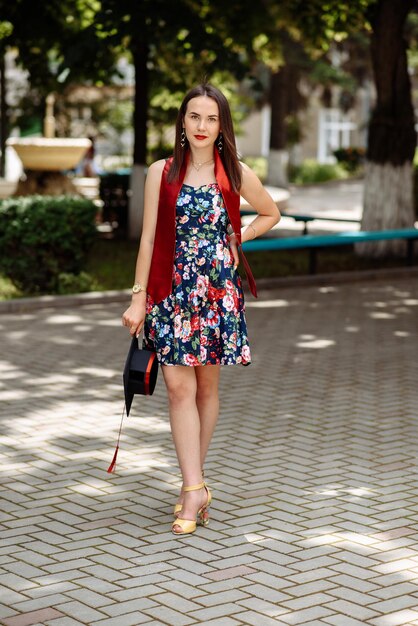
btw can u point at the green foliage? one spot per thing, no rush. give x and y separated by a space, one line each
76 283
164 106
42 237
112 263
313 172
6 29
259 166
7 289
320 22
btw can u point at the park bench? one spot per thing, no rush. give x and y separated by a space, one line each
315 242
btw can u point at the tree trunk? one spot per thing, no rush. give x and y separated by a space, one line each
3 117
388 185
278 156
136 200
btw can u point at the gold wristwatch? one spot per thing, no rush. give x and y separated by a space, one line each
137 288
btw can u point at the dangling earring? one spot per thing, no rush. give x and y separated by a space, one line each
183 138
220 144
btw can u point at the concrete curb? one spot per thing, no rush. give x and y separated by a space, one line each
25 305
333 278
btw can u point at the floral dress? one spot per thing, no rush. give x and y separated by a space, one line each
202 321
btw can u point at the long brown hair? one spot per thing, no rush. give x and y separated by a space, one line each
229 150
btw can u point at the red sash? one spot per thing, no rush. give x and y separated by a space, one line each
162 261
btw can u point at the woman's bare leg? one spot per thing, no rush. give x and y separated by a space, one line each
207 401
181 386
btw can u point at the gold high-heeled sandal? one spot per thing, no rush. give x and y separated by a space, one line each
178 505
177 508
189 526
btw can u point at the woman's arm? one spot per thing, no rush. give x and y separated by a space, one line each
134 316
255 194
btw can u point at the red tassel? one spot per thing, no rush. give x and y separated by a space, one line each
112 466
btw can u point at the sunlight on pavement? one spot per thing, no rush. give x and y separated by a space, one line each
265 304
64 319
379 315
315 343
97 372
313 470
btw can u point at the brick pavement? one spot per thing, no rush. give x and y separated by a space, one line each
313 468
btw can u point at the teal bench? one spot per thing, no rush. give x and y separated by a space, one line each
314 242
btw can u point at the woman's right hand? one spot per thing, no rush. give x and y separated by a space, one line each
134 316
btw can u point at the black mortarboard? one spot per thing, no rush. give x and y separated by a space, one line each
140 373
139 376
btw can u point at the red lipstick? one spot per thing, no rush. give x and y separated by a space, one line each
200 137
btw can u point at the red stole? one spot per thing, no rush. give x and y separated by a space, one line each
162 261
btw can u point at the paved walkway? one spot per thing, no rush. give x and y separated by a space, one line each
341 200
313 468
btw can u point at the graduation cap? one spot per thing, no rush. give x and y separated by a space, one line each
139 376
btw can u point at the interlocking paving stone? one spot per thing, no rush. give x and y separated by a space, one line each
313 470
396 618
262 606
128 619
80 611
33 617
255 619
167 615
38 603
222 621
62 621
352 609
124 608
231 595
342 620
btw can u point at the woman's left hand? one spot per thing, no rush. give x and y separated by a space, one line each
234 249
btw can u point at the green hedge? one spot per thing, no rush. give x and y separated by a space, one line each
310 171
43 238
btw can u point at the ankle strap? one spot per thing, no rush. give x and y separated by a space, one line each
194 487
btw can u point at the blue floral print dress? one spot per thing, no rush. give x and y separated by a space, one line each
202 321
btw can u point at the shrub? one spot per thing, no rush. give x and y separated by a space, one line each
42 237
259 166
350 158
76 283
313 172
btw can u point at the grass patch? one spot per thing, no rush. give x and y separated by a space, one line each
111 264
282 263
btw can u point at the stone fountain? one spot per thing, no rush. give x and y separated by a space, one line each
46 159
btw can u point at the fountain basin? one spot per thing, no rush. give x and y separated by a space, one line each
49 154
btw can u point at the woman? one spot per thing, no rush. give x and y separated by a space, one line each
187 295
